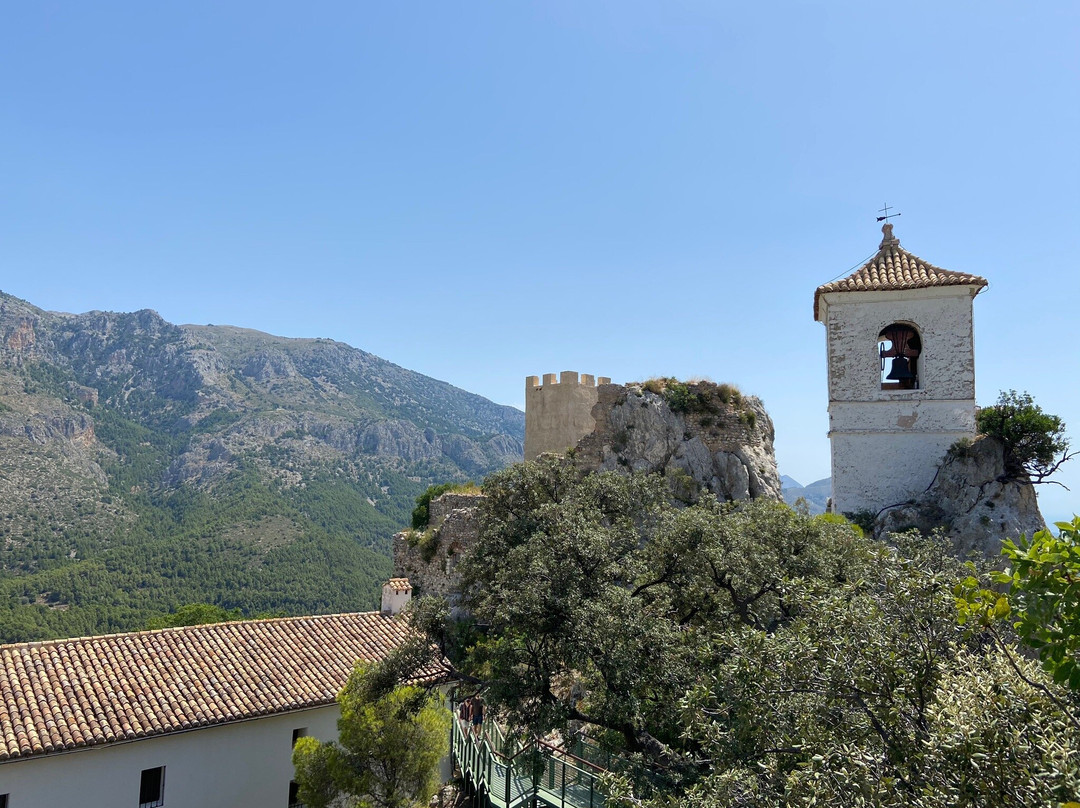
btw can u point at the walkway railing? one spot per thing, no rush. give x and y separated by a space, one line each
507 774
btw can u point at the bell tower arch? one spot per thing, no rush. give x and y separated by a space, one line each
901 371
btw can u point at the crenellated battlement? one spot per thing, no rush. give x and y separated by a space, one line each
558 410
566 377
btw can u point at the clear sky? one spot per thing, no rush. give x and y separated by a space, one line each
482 191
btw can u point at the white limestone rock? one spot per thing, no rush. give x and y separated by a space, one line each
972 500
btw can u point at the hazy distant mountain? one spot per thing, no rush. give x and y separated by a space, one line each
816 494
144 465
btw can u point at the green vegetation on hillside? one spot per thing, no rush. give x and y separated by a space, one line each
183 546
247 545
146 466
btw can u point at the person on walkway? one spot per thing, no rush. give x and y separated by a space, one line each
477 716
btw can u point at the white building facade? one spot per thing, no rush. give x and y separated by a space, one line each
189 717
901 372
243 763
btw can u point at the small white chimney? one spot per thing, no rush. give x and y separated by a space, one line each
396 595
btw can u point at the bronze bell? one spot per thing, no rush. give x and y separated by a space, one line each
901 370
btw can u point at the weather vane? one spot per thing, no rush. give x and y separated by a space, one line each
887 215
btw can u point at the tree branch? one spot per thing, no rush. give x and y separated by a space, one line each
1037 685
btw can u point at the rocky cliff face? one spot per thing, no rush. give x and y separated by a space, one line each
972 500
255 388
702 436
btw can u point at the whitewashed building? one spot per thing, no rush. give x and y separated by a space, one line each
190 717
901 369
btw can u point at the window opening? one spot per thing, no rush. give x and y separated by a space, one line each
294 795
4 800
152 788
297 734
900 345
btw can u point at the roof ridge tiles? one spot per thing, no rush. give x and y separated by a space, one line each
172 629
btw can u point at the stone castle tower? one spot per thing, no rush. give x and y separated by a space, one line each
901 370
559 413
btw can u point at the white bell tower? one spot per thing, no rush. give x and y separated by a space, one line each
901 367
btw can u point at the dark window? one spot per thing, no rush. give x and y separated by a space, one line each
899 347
294 795
297 734
3 801
152 788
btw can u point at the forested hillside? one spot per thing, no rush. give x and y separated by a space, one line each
145 465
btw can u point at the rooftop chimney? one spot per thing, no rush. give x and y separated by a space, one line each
396 595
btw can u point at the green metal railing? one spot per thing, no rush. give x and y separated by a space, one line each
507 774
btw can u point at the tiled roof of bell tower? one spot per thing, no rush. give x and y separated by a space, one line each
894 268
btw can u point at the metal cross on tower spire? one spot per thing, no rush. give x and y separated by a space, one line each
887 215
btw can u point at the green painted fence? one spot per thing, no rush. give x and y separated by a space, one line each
506 774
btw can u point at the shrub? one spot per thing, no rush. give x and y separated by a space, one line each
656 385
729 394
681 398
428 543
1032 438
863 519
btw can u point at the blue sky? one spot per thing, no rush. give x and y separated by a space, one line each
487 190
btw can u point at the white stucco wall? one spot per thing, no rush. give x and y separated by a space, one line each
886 444
242 765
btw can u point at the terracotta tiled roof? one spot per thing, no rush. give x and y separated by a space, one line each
400 584
894 268
65 694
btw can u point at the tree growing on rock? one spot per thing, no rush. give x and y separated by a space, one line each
1034 441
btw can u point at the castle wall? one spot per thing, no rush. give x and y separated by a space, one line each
559 413
454 519
887 444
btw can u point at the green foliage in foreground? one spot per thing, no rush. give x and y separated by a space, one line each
1041 598
748 655
390 742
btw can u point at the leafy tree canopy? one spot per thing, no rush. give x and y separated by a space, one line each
1041 598
1033 439
390 742
745 654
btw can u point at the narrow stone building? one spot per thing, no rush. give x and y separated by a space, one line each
901 372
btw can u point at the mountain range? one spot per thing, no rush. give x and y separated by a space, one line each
815 495
146 465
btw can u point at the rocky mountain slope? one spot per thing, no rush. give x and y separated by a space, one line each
815 495
145 464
